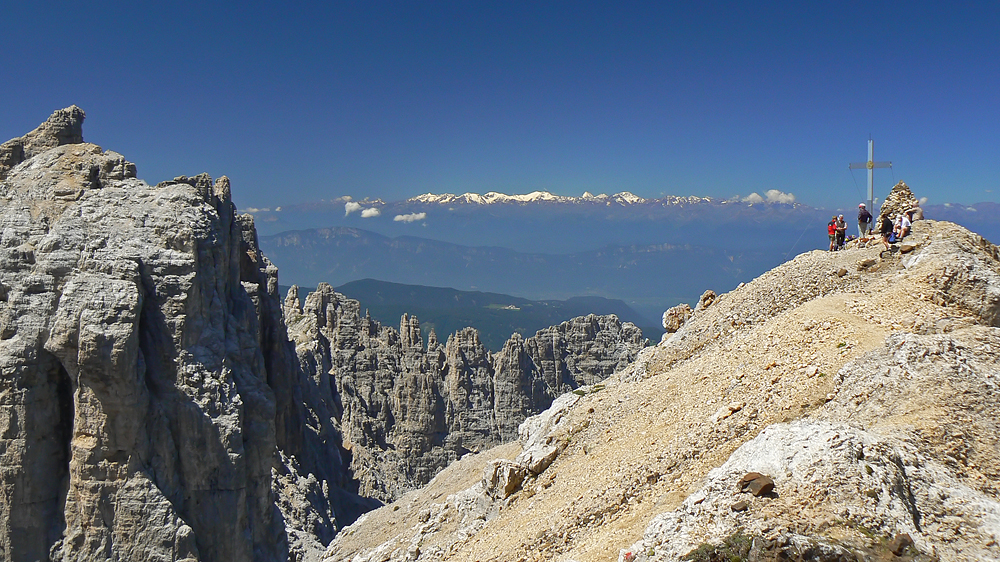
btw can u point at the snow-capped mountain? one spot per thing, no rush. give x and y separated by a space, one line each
490 198
494 198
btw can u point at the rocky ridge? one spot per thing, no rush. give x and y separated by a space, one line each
407 410
863 384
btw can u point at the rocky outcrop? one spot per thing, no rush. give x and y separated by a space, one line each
65 126
407 410
151 404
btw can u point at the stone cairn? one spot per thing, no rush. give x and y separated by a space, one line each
900 200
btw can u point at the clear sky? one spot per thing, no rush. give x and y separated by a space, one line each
298 101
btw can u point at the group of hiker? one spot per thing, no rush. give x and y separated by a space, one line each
889 230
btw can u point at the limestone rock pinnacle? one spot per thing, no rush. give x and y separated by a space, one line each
64 126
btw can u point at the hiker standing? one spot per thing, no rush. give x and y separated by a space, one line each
864 220
831 229
841 231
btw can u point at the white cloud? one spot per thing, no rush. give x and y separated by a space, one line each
923 200
368 213
350 207
256 210
753 198
412 217
277 209
776 196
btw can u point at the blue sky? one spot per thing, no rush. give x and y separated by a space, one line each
299 101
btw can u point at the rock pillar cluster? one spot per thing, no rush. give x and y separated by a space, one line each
409 409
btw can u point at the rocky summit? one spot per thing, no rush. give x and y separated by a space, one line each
843 406
154 407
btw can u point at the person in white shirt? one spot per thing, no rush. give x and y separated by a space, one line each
904 224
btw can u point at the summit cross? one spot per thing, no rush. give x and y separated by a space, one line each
870 165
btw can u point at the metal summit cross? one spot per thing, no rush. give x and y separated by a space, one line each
870 165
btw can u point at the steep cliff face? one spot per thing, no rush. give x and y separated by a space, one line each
148 389
409 410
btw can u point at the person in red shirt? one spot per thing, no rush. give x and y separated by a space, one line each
831 229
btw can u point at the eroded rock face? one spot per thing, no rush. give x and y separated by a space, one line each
409 410
148 389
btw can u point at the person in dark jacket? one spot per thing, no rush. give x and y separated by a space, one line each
864 220
885 229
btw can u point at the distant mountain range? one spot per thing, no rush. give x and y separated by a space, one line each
496 316
495 198
541 222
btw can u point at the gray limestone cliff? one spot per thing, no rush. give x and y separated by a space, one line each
408 410
151 404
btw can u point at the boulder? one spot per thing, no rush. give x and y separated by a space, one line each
675 317
502 477
707 299
756 483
